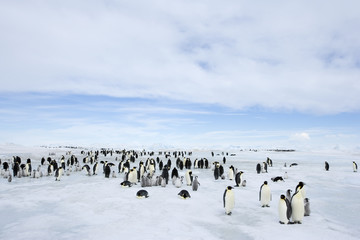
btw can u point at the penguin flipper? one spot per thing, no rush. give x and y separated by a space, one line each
224 198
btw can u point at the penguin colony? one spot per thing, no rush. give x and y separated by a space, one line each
159 172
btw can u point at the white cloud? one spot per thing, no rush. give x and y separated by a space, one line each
238 54
301 136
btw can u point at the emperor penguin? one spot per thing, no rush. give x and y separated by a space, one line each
126 184
243 183
354 166
188 177
179 181
132 175
297 207
229 200
265 166
9 178
288 194
238 178
326 166
95 168
87 169
184 194
142 194
284 210
265 195
231 172
195 184
258 168
306 207
58 173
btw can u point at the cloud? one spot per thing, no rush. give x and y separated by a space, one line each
301 136
280 56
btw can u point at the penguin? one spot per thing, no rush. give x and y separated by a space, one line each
293 164
243 183
113 175
107 170
284 210
238 178
178 182
258 168
132 175
87 169
184 194
195 184
142 194
58 173
297 207
286 175
163 182
277 179
326 166
9 178
265 167
354 166
231 172
95 168
216 172
229 200
188 177
265 195
306 207
288 194
126 184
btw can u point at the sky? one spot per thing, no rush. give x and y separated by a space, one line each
271 74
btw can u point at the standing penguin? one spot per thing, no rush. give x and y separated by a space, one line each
229 200
297 207
258 168
231 172
188 177
306 207
326 166
95 168
107 170
288 194
265 195
354 166
58 173
238 178
284 210
216 171
265 167
195 184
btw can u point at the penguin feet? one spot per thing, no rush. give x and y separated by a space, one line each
281 222
229 213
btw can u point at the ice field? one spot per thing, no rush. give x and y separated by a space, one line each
95 207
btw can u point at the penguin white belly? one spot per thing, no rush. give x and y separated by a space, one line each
229 202
231 174
151 169
297 206
188 179
265 196
282 209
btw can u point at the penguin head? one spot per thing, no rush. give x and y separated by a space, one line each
265 183
282 197
229 188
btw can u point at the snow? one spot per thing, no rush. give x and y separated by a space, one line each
93 207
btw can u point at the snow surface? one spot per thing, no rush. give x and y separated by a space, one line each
92 207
